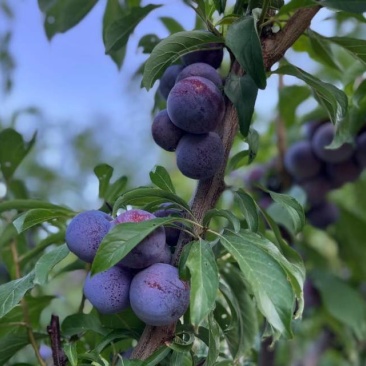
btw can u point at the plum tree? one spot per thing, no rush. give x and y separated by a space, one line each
86 231
322 137
199 156
158 296
203 70
164 132
323 214
195 105
212 57
172 232
167 80
300 160
150 249
108 291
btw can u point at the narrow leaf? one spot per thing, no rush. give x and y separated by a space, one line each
169 50
171 24
233 220
104 174
351 6
356 47
161 178
214 341
249 209
204 280
242 39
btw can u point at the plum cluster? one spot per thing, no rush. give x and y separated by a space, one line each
317 169
194 108
143 279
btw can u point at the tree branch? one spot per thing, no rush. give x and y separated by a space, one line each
209 191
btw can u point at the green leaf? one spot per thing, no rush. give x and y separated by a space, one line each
288 212
204 280
71 353
260 262
220 6
171 25
356 47
122 239
112 12
148 42
161 178
214 341
249 209
115 189
65 14
12 292
238 160
169 50
159 355
351 6
104 174
47 262
25 204
181 359
37 216
233 220
290 97
242 92
242 39
296 4
14 342
13 150
343 302
142 196
79 323
333 100
253 142
118 33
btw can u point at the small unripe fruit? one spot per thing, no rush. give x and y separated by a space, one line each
85 232
158 296
108 291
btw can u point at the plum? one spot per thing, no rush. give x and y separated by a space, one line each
203 70
158 296
301 162
108 291
167 80
316 188
195 105
344 172
164 132
172 233
86 231
212 56
323 137
150 249
323 215
200 156
360 153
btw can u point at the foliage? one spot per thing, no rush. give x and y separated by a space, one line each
257 275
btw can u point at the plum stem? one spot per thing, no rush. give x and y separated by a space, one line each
209 191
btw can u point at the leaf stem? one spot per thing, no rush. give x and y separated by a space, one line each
263 15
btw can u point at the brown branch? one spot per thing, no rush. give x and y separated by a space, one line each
53 330
209 191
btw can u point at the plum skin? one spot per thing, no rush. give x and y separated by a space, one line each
157 296
200 156
164 132
108 291
172 233
195 105
323 215
168 78
203 70
86 231
151 249
212 57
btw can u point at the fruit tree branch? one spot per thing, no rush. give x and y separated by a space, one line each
208 191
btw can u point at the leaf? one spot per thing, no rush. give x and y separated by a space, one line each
351 6
260 262
47 262
238 160
220 6
13 150
37 216
143 195
214 341
249 209
169 50
242 92
181 359
171 24
204 280
25 204
233 220
296 4
333 100
122 239
79 323
343 302
253 142
12 292
118 33
148 42
288 212
71 353
104 174
112 12
356 47
161 178
115 189
242 39
14 342
61 15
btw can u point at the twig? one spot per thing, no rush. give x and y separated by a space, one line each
53 330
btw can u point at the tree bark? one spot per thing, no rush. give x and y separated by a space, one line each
209 191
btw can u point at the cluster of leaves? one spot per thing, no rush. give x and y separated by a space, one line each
246 280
